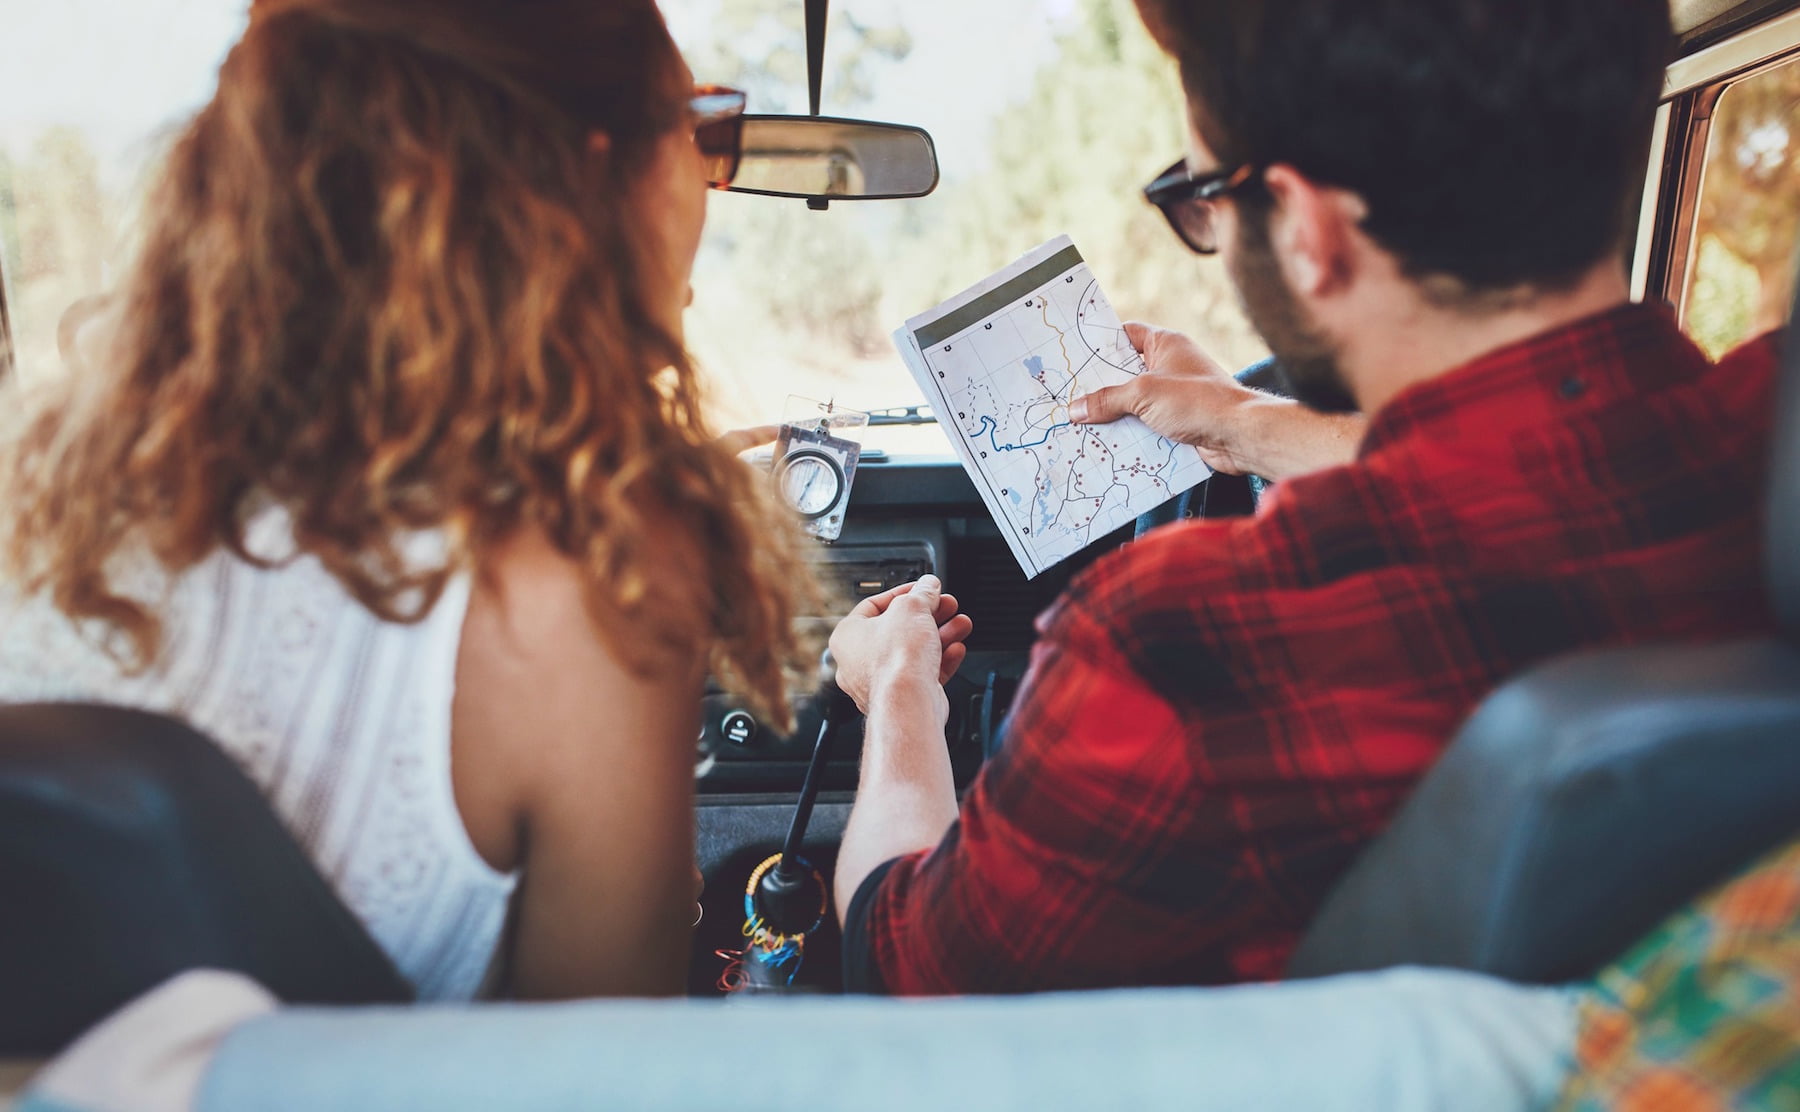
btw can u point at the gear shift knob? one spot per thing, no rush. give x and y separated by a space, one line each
788 899
835 704
788 895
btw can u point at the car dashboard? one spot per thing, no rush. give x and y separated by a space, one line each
908 517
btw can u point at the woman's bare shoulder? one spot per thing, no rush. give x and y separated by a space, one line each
542 697
575 766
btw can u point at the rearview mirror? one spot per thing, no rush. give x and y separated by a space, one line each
822 158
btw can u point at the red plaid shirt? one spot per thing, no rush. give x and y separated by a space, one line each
1219 716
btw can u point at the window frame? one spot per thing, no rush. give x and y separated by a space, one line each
6 332
1663 261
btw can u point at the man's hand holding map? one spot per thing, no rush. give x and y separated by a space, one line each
1000 363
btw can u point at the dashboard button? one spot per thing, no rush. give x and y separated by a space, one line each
738 727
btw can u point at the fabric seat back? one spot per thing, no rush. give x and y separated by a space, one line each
132 849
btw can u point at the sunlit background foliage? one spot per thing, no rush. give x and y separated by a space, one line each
1749 217
1049 117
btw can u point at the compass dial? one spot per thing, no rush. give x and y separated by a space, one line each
811 481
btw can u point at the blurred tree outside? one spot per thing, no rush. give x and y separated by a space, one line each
1101 120
10 263
760 47
9 266
61 231
1749 217
793 301
772 266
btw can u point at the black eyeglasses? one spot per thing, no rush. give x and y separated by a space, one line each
718 112
1187 202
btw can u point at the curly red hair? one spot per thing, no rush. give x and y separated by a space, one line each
387 286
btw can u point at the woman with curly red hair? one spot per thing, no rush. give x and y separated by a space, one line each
392 476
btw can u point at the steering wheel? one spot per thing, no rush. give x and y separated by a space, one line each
1221 495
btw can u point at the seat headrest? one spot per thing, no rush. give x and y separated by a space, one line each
132 848
1784 490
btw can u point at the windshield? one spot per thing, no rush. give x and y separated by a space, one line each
1049 115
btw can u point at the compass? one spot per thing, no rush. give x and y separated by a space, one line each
812 481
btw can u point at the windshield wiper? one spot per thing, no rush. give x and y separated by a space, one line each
902 415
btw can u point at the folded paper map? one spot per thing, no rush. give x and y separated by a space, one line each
1000 362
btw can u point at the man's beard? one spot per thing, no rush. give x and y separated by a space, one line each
1307 359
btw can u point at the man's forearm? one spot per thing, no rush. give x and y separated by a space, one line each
1278 438
907 796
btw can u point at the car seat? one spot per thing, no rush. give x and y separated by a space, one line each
1589 798
132 849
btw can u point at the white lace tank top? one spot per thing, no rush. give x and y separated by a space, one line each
342 719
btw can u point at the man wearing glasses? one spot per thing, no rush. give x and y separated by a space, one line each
1423 205
1191 398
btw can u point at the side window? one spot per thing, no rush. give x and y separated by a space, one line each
55 227
87 114
1741 266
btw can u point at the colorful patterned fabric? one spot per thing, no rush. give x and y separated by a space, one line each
1218 717
1704 1014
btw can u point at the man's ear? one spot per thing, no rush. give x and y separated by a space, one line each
1312 229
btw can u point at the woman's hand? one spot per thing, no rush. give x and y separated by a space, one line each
739 441
910 635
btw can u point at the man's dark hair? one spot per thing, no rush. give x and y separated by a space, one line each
1499 142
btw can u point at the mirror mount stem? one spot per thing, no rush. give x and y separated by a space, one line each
815 49
815 70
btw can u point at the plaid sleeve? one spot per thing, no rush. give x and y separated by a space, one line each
1218 717
1075 852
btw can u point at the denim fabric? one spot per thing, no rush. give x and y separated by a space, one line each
1403 1041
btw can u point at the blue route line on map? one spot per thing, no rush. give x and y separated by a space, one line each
989 427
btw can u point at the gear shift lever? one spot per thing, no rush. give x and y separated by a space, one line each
786 898
837 708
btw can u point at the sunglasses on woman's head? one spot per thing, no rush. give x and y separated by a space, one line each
718 113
